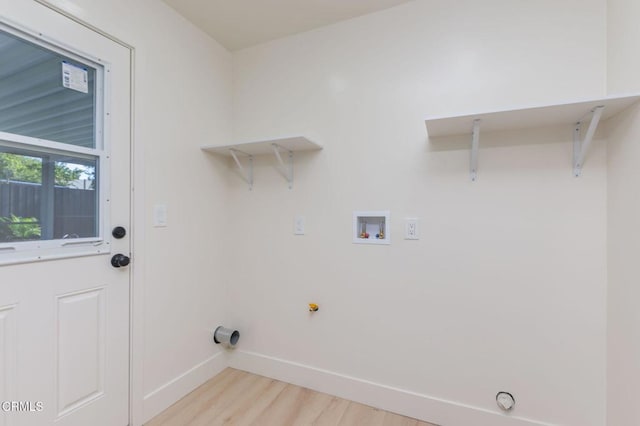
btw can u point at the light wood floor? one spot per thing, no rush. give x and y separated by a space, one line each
234 397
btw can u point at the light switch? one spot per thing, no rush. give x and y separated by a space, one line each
160 215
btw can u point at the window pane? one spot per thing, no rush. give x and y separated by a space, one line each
76 200
45 95
45 196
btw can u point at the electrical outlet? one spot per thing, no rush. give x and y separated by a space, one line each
298 225
411 229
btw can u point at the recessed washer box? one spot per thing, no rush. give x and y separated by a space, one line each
371 227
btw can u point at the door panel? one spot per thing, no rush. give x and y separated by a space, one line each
81 348
8 348
64 322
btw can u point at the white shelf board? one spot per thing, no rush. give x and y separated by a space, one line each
294 143
527 118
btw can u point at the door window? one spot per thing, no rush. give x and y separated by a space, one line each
52 148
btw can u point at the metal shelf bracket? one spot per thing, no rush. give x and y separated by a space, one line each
247 175
580 147
475 144
285 170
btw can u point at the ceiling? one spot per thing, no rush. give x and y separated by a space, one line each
237 24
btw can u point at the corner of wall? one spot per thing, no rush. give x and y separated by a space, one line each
163 397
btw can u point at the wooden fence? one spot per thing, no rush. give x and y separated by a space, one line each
74 211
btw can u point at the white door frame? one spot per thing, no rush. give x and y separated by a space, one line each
136 292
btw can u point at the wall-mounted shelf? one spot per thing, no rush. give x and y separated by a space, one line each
570 114
276 147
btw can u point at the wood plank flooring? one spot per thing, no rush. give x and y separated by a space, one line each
235 397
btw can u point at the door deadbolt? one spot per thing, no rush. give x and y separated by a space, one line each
118 232
120 260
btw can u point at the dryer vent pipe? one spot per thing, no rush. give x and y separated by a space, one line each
226 335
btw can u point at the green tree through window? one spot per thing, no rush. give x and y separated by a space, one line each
29 169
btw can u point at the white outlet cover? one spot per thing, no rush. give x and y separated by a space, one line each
411 229
299 225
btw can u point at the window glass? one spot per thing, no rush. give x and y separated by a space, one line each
46 95
47 196
50 144
75 200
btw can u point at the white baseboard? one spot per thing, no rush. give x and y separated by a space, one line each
166 395
407 403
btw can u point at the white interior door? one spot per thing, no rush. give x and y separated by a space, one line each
64 185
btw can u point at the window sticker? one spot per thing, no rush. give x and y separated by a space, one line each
75 77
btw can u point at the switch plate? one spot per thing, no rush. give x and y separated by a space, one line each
411 229
160 215
298 225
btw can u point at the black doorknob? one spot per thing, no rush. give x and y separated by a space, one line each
119 260
118 232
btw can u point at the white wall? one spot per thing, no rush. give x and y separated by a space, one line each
623 332
506 288
622 46
623 151
183 100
